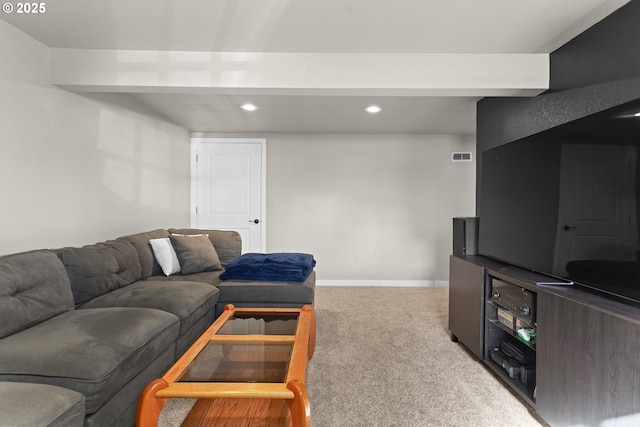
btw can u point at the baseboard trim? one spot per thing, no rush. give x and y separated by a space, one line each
391 283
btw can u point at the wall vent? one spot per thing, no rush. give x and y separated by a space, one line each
458 156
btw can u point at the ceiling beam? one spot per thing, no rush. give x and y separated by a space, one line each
300 73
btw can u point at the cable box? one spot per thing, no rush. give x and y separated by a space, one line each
507 363
523 354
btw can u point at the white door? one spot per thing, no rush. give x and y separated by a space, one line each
597 212
227 187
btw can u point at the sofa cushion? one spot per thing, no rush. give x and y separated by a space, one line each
253 294
33 288
210 277
195 253
95 352
140 241
227 243
187 300
97 269
28 405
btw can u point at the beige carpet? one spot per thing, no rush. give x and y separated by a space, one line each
384 358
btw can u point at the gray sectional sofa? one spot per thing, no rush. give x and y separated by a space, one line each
91 326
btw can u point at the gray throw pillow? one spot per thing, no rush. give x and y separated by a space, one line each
195 253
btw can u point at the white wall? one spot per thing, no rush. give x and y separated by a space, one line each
369 207
79 169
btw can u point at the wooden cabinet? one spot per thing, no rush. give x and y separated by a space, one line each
589 360
466 303
587 350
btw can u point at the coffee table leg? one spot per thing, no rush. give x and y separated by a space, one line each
149 406
312 330
299 406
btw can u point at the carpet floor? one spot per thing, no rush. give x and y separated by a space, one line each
384 358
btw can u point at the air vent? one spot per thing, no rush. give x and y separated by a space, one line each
461 156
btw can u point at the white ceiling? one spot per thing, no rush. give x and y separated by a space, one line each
315 26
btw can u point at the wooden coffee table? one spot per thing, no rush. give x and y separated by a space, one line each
247 369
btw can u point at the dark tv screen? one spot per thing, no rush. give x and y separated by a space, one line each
566 207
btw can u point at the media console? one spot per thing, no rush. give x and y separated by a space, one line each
570 353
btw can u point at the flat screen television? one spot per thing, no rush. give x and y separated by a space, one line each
565 203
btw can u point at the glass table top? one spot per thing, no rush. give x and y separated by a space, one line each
260 325
250 360
231 361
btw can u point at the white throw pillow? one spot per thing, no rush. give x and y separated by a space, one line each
165 255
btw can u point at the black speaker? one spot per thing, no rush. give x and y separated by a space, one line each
465 235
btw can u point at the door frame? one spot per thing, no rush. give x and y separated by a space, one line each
195 144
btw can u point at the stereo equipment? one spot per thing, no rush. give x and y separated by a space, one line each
506 318
465 236
515 365
509 364
517 300
523 354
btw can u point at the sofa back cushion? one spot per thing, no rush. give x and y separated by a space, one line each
195 253
140 241
97 269
34 287
227 243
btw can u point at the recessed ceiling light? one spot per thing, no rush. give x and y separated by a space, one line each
249 107
637 114
373 109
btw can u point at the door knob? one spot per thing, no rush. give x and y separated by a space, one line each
567 228
255 221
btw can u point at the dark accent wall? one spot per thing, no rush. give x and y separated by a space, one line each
597 70
610 50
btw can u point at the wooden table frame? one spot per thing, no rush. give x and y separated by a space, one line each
292 390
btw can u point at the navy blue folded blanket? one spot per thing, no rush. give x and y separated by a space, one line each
275 267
